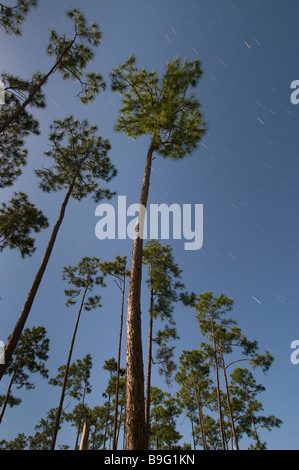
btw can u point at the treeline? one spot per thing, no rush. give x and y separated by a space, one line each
220 415
167 111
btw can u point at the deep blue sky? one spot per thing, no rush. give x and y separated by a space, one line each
244 173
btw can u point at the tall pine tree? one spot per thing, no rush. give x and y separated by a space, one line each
71 57
83 278
80 160
164 110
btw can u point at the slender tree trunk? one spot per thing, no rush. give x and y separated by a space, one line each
106 422
16 334
7 396
218 386
124 438
157 435
119 424
94 436
200 415
80 419
36 89
148 374
135 412
229 404
59 411
192 430
85 435
77 436
114 441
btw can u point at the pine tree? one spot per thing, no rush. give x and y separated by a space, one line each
18 219
110 394
29 357
210 309
193 376
97 421
164 435
225 338
211 433
80 388
12 17
118 270
162 110
19 443
77 418
83 277
71 57
244 386
12 142
164 286
41 440
80 160
229 338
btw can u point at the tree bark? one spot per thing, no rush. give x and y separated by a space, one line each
15 336
135 411
148 374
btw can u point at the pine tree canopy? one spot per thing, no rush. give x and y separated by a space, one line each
18 219
12 17
81 158
74 54
160 107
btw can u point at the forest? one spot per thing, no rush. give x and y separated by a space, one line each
213 388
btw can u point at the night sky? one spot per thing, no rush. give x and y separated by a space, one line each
244 172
